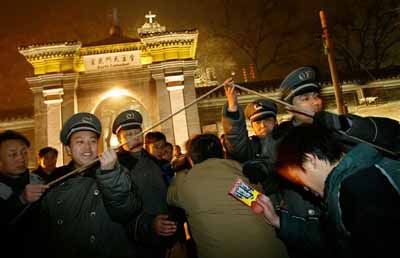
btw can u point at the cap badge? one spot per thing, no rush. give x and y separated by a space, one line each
130 115
258 106
87 119
305 75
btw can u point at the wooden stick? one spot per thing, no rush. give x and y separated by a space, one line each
332 64
290 106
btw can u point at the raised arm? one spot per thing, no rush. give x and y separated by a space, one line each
237 143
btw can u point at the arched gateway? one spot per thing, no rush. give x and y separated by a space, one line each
154 73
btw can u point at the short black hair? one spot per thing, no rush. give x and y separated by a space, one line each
308 139
13 135
45 150
203 147
152 137
168 144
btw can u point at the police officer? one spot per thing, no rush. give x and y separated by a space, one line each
262 116
151 228
85 215
301 88
239 146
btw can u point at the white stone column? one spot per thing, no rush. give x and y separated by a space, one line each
179 120
179 82
164 107
53 100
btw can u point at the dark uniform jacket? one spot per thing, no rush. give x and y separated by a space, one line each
85 216
16 218
362 196
300 213
153 192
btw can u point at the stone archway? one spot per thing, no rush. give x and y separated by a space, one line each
108 109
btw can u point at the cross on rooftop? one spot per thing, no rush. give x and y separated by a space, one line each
150 16
115 17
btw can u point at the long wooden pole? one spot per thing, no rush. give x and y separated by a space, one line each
332 64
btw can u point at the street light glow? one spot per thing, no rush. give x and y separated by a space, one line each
116 93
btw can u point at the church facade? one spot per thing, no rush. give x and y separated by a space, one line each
153 74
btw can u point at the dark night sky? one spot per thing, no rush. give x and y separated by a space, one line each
27 22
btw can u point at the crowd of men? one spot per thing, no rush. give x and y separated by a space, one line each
330 186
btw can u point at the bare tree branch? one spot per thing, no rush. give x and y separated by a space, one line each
261 30
370 35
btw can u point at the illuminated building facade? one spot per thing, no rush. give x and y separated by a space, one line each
153 74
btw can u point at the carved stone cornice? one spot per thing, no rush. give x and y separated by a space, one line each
50 50
17 123
38 83
170 38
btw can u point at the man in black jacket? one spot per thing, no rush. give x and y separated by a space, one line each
152 228
85 215
19 193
